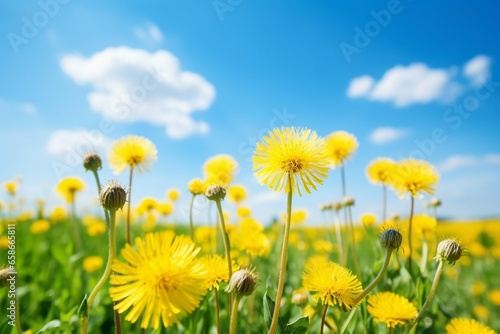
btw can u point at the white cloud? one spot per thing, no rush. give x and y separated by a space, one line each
458 161
150 32
15 106
266 197
384 135
360 86
76 143
492 159
131 85
478 69
418 83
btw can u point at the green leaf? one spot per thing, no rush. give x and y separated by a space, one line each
50 325
268 314
83 310
300 326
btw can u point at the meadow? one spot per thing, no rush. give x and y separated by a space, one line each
339 275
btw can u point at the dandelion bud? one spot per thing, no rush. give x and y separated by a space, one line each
215 193
391 238
242 282
435 202
6 275
300 297
113 196
449 250
349 201
92 161
336 206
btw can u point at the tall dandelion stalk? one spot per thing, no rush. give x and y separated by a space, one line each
289 160
412 176
196 187
112 198
379 172
131 152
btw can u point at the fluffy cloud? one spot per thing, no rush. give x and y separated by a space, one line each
76 143
385 135
461 161
418 83
150 32
478 69
131 85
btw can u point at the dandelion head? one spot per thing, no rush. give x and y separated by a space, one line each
113 196
391 309
220 170
243 282
381 170
341 145
237 193
291 154
92 162
467 326
134 152
412 176
217 270
68 187
92 263
197 186
449 250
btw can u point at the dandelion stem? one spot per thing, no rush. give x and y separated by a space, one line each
98 182
389 330
281 279
409 233
76 229
107 271
425 253
227 246
377 279
323 317
129 202
217 310
234 315
384 203
354 248
191 217
428 301
339 238
18 319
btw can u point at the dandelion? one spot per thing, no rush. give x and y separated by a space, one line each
243 211
164 208
368 219
11 187
161 280
40 226
425 225
146 205
467 326
57 215
494 297
196 187
380 171
391 309
95 228
289 160
134 152
242 283
412 176
331 283
300 297
481 312
68 187
92 263
219 170
341 146
237 193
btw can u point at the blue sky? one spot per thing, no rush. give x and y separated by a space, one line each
199 78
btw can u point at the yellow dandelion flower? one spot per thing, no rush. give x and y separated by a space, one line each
494 297
11 187
92 263
4 242
165 208
295 152
249 224
299 216
219 170
237 193
132 151
39 226
332 283
340 146
69 187
243 211
146 205
217 270
323 246
197 187
467 326
391 309
477 249
57 215
161 280
150 222
478 288
368 219
97 227
481 312
381 170
414 176
173 194
424 224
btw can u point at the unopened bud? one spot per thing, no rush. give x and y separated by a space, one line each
300 297
215 193
242 282
6 275
391 238
92 161
113 196
349 201
449 250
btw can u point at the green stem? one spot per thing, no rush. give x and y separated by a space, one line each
281 279
234 315
76 229
354 248
409 233
323 317
129 202
389 330
217 310
227 246
384 203
18 319
107 270
339 239
428 301
191 217
377 279
425 253
96 176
